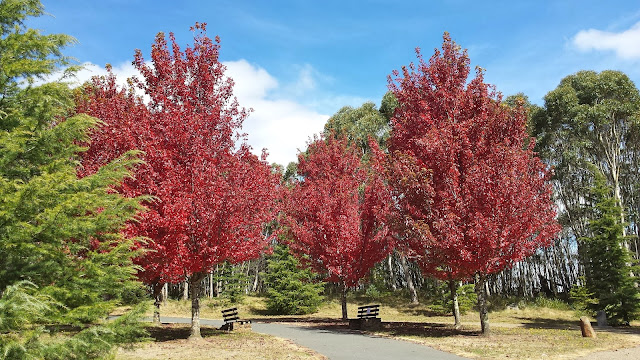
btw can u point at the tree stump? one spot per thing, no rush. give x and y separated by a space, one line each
585 326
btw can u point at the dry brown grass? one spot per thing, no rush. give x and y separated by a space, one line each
529 332
171 342
511 341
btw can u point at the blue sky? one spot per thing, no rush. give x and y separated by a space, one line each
297 62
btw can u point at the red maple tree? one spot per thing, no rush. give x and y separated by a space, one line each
475 198
211 196
336 211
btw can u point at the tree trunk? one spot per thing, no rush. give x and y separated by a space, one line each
210 285
343 300
218 288
392 274
409 279
165 293
195 282
482 303
453 287
185 290
157 295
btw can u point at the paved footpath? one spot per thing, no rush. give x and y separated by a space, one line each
341 345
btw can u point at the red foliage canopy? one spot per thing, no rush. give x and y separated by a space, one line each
336 213
212 198
474 197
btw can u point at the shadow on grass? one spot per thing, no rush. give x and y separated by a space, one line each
421 329
424 312
629 330
169 332
432 330
545 323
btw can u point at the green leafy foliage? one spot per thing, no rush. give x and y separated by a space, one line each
23 307
233 280
59 232
590 118
467 299
581 298
358 124
291 290
26 54
609 271
64 258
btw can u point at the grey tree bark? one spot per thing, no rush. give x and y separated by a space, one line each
482 303
343 300
195 284
409 279
157 295
453 288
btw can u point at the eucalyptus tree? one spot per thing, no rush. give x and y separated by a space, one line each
591 118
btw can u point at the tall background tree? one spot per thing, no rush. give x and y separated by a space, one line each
592 118
608 269
359 124
212 197
490 204
64 260
336 212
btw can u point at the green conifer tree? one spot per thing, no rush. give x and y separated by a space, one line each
59 234
609 272
290 288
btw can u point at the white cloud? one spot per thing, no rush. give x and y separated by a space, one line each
624 44
281 125
250 82
280 122
89 70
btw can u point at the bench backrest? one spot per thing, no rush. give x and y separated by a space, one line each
368 311
230 315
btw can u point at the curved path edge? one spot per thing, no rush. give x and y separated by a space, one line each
340 345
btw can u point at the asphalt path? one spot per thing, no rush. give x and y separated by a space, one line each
340 344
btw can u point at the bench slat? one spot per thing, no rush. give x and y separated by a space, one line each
368 311
231 316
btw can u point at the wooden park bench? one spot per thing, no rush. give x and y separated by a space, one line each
367 318
232 320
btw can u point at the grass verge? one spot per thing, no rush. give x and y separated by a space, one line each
510 342
171 342
526 331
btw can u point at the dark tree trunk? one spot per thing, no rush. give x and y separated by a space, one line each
453 287
195 283
481 291
343 300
